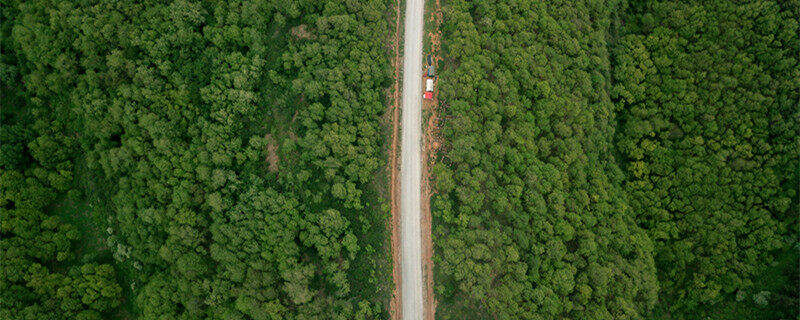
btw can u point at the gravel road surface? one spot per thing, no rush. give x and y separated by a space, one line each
410 165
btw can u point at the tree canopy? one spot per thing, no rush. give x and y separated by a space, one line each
169 108
531 221
708 98
607 160
603 159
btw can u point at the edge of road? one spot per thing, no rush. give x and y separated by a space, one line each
395 303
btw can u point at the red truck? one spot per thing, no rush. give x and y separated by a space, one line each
429 89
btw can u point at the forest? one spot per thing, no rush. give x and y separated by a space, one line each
618 160
601 159
709 131
193 159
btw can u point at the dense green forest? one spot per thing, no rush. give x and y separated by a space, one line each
602 159
193 159
531 219
614 160
709 102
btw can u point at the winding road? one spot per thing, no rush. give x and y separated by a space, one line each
410 165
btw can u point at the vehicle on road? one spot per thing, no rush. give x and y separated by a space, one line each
428 89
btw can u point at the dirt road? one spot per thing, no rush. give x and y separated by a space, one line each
410 165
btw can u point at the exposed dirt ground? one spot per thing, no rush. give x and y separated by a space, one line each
395 309
301 32
432 144
272 153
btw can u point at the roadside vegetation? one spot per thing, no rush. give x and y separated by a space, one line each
614 160
225 152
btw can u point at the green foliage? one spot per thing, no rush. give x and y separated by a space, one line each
536 221
32 241
168 104
163 114
532 222
708 97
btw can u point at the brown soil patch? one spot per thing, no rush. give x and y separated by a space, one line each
301 32
272 153
395 308
432 144
429 155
